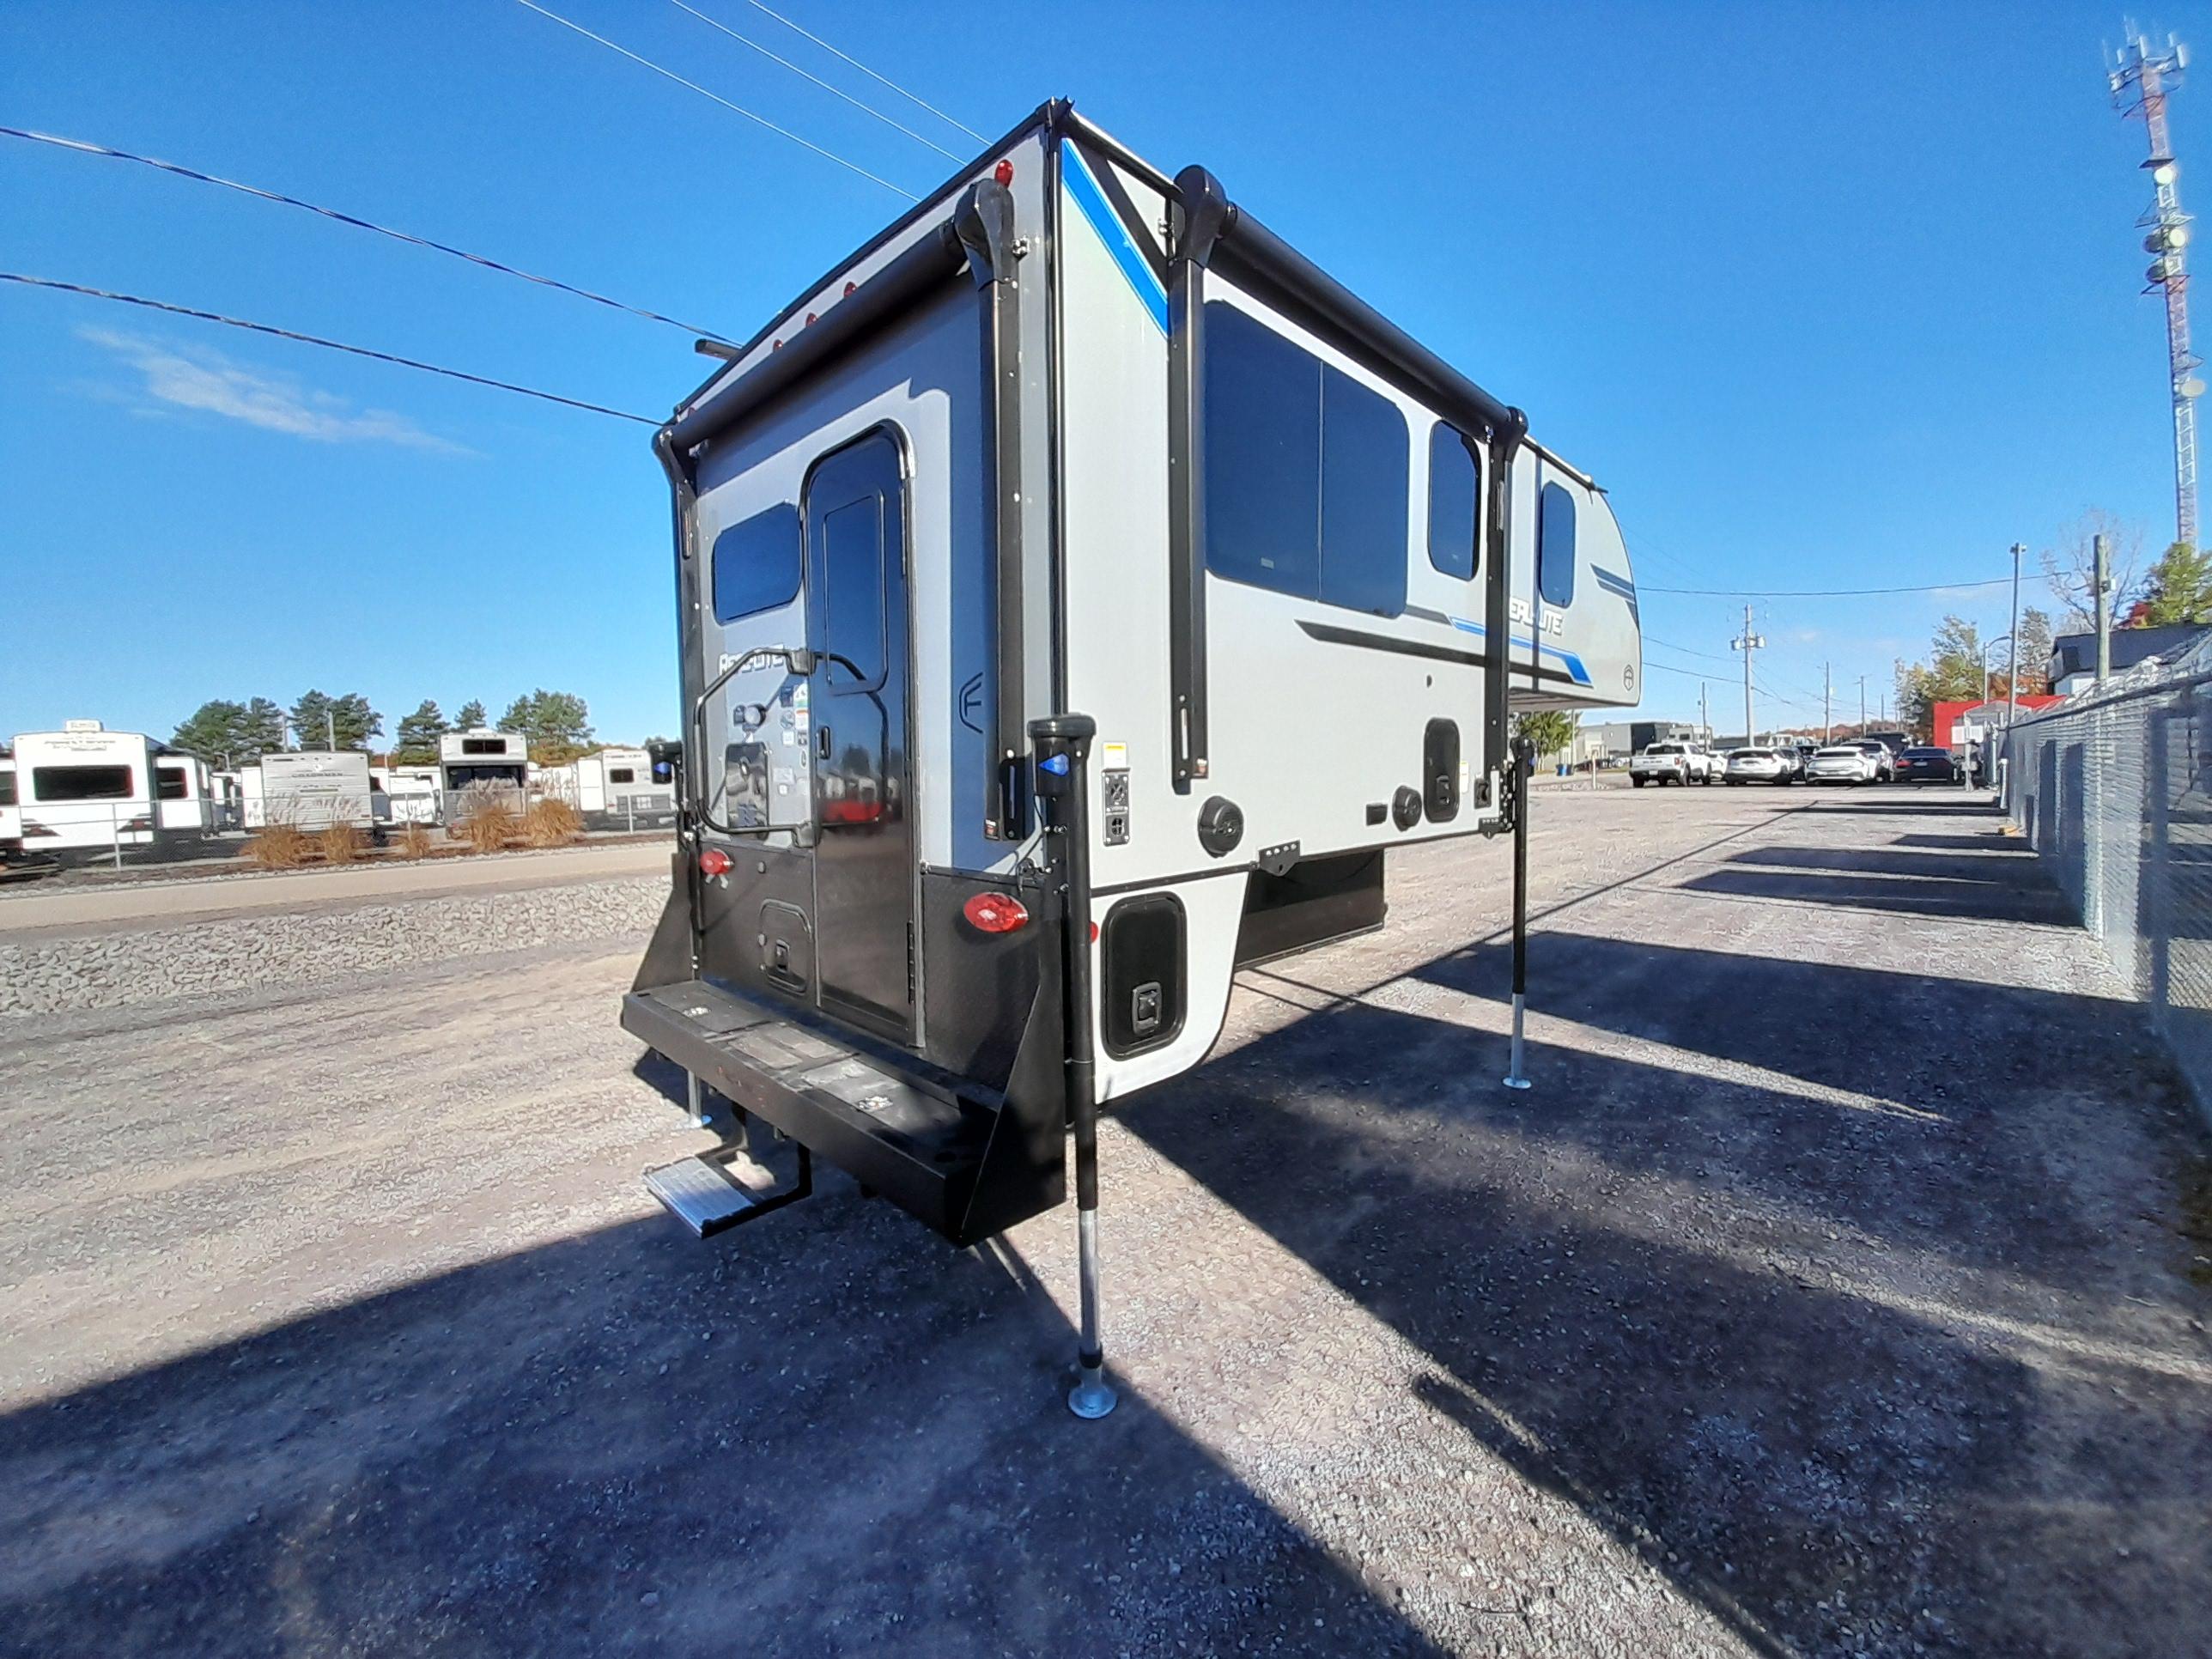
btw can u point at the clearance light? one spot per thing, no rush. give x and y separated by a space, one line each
995 913
713 862
1004 173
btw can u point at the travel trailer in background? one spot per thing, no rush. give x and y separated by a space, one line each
310 789
185 792
499 758
618 784
1079 594
11 813
410 793
85 790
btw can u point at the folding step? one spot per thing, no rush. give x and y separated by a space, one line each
702 1193
915 1135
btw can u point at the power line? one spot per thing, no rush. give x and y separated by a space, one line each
830 154
864 70
746 40
1686 651
82 147
1817 593
327 345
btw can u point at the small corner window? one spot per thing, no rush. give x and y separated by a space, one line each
622 775
7 788
1453 491
757 564
1555 547
171 784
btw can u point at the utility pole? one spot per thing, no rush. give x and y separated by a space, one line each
1749 643
2103 609
1704 719
1827 700
2140 79
2011 674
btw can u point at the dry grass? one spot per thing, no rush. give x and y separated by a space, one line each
488 819
414 840
551 823
339 842
278 847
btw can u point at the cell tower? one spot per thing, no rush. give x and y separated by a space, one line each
2140 79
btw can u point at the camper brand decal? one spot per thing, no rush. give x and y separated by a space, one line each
971 704
1552 623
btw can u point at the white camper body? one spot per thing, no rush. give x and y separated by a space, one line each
618 781
85 789
185 792
11 811
309 789
501 758
1077 445
411 792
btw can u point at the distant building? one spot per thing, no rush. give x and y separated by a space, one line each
1957 724
2074 656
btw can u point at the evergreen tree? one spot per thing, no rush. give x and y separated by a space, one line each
260 732
416 739
472 717
215 732
310 720
356 720
556 726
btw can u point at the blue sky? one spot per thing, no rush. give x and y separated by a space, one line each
1826 296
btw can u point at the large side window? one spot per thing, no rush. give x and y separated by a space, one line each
1555 547
1306 471
757 564
7 788
1454 486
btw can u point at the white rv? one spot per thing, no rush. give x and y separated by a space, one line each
309 789
483 757
85 789
1080 592
185 792
410 793
618 783
11 811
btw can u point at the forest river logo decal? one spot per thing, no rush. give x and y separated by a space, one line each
971 704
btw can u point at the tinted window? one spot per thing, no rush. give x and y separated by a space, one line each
56 783
1452 488
622 775
169 783
1306 471
7 788
853 595
483 745
1555 547
757 564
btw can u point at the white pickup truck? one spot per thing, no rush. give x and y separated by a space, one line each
1673 763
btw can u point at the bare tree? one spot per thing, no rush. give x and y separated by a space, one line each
2070 565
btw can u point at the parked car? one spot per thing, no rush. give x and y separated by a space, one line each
1926 766
1671 763
1884 757
1845 762
1760 766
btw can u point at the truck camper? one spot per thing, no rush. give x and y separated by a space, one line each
1079 594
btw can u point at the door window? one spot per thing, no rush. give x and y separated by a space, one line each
852 593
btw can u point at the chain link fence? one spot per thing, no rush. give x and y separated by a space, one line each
2114 792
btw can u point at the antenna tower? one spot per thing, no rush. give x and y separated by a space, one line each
2140 78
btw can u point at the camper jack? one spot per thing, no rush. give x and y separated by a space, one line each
1079 592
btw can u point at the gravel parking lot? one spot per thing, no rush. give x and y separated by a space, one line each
1840 1288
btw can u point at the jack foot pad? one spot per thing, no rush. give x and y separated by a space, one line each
1093 1396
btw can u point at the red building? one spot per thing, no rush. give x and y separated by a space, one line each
1946 714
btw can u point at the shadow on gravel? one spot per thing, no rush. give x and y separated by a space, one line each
1989 841
1885 861
1972 900
844 1440
1827 1471
1914 803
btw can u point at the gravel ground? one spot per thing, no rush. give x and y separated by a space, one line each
1830 1293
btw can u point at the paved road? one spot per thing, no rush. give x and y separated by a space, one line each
1828 1294
29 910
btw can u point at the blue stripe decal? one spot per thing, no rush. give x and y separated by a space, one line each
1573 664
1620 587
1083 185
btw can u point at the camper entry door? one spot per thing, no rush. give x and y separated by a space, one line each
863 857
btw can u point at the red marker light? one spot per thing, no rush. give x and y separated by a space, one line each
995 913
1094 932
851 288
1004 173
809 319
713 862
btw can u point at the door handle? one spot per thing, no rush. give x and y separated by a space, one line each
822 742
